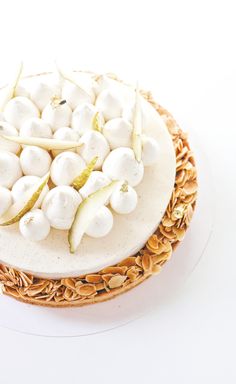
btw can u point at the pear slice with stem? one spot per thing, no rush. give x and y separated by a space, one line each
8 92
22 206
80 180
69 77
41 142
86 212
137 127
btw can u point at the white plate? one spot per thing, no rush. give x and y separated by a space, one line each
150 295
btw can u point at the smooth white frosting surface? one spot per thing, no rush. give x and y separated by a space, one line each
51 257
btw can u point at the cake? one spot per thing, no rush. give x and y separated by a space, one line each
97 187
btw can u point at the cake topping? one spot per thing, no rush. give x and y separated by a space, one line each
101 224
24 204
86 212
121 164
118 132
150 151
60 206
65 134
35 161
35 127
96 181
110 104
83 118
137 127
8 130
5 200
18 110
23 185
66 167
34 225
10 169
57 115
42 93
80 180
8 92
124 199
94 145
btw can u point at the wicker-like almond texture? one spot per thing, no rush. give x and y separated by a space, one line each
114 280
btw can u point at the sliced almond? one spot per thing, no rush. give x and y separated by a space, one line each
21 207
137 127
86 212
41 142
80 180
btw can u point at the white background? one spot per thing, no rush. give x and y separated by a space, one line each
184 51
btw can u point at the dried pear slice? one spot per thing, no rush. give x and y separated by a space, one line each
80 180
47 144
69 77
85 213
8 92
96 123
21 207
137 127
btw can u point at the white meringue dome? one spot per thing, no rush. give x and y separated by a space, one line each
110 104
65 134
34 225
35 161
75 95
94 144
18 110
41 93
150 151
66 167
22 187
8 130
118 132
96 181
5 200
124 199
82 118
57 116
10 169
36 127
101 224
121 164
60 206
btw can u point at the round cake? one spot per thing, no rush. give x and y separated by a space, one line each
97 187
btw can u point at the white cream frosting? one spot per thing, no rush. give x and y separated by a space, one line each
60 206
94 144
8 130
67 134
83 116
5 200
101 224
57 116
34 225
18 110
10 169
121 164
36 127
23 185
66 167
75 95
118 132
41 93
124 199
96 181
109 102
35 161
150 151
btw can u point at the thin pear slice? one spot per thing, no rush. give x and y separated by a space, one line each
86 212
137 127
47 144
8 92
80 180
21 207
69 77
96 123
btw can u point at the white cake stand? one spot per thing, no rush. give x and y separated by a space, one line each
151 295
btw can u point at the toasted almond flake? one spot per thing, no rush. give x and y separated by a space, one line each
130 261
115 270
147 262
86 290
179 211
93 278
116 281
190 187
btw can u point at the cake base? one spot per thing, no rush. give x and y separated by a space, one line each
114 280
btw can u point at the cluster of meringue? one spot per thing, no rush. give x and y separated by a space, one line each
66 111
